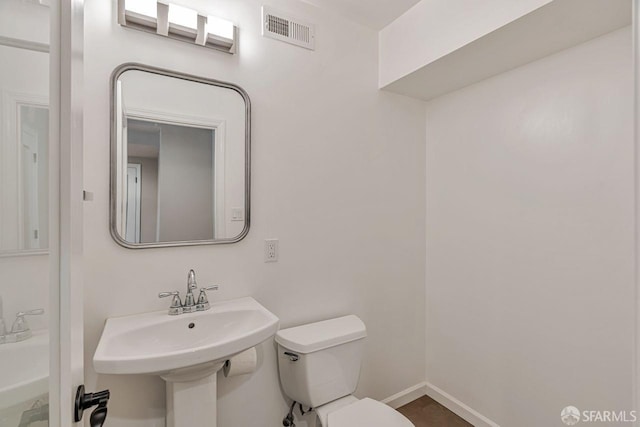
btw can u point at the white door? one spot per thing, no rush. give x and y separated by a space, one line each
29 188
134 185
66 127
43 72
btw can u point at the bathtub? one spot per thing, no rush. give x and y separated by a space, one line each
24 377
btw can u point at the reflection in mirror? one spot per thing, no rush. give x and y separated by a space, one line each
179 159
24 213
188 171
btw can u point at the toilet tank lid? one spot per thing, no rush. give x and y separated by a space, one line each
320 335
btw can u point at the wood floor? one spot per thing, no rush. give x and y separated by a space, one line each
426 412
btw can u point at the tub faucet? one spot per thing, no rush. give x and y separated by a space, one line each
20 329
38 412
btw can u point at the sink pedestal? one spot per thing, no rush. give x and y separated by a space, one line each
191 397
186 351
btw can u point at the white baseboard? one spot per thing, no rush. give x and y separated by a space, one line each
445 399
406 396
457 407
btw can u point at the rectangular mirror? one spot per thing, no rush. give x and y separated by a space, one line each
180 159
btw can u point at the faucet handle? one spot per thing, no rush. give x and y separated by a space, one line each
168 294
176 302
35 312
203 301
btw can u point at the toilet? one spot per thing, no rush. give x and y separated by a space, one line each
319 367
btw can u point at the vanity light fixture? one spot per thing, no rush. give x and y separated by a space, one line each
178 22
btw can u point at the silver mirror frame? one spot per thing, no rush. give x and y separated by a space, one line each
130 66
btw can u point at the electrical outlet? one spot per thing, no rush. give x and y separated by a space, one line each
271 250
237 214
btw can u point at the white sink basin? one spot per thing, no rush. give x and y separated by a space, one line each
156 343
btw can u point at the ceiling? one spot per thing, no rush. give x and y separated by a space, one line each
375 14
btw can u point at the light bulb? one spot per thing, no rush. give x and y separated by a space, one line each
219 27
183 16
143 7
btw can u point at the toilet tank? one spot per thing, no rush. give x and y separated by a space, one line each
320 362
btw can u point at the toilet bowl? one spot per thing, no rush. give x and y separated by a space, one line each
319 366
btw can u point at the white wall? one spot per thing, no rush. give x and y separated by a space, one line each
185 181
434 28
24 285
24 21
338 177
530 295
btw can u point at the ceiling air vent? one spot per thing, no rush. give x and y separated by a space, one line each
279 26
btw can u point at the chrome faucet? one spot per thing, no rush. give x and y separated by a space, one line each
20 329
190 304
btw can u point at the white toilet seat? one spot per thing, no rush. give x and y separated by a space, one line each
367 413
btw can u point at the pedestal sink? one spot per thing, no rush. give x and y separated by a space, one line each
185 350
